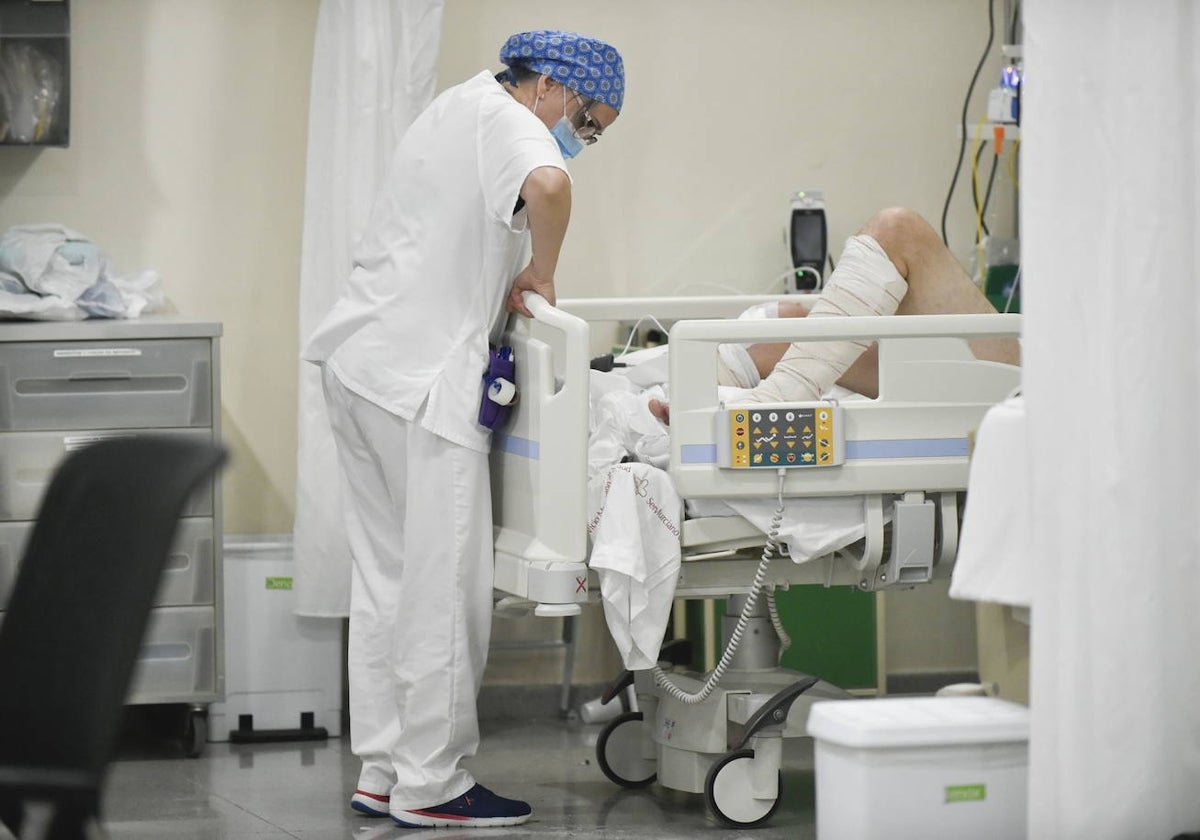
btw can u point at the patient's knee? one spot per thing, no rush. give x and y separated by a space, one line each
904 234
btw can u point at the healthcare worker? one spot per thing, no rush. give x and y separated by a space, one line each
472 213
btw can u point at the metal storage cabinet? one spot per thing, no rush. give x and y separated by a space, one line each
65 385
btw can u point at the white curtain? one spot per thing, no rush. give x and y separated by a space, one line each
373 71
1110 142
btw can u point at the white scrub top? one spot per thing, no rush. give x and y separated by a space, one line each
437 259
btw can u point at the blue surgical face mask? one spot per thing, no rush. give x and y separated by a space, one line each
568 143
564 133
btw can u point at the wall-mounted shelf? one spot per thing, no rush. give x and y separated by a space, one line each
35 72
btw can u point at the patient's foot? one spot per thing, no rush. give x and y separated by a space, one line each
661 410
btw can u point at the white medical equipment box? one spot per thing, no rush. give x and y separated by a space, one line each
920 767
65 385
283 672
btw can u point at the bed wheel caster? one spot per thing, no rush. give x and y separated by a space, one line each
619 752
729 791
195 733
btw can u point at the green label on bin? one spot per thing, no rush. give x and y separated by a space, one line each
966 793
279 583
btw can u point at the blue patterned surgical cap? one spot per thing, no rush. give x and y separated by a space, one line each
585 64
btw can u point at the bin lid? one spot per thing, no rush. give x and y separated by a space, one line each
918 721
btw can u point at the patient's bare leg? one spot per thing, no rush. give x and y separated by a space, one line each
937 283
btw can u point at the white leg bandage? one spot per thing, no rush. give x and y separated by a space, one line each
735 367
864 283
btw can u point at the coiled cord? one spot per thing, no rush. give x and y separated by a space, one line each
785 641
663 680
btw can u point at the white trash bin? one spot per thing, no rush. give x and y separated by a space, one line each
920 767
283 672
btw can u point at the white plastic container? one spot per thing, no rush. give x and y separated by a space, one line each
920 767
281 669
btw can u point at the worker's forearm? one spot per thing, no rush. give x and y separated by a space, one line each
547 194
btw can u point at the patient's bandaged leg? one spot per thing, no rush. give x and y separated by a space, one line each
865 282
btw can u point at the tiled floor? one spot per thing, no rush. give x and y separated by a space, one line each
262 792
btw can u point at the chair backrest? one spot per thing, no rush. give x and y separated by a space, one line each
78 610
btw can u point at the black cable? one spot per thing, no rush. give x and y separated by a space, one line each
962 146
981 211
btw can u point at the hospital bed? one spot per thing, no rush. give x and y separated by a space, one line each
905 453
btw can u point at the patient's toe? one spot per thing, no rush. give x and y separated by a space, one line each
661 410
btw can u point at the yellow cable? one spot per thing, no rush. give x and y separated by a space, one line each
979 204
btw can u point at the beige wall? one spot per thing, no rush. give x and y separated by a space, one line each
188 143
188 126
926 632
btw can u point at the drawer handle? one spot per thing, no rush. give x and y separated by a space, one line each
99 374
94 383
154 653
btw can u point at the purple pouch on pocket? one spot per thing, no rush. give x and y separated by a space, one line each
499 388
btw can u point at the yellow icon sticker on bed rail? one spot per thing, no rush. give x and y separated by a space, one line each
775 436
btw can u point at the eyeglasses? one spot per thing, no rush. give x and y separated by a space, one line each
586 127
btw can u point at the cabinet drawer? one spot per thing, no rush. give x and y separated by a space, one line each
177 660
187 577
105 384
28 461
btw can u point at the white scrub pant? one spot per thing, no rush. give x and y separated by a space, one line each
419 520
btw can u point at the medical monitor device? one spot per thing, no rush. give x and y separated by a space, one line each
808 238
793 435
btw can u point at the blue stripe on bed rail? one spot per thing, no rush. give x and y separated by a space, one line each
911 448
524 447
698 453
856 450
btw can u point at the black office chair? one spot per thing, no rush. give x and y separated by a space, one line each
75 620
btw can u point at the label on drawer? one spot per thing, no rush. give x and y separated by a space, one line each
80 441
97 351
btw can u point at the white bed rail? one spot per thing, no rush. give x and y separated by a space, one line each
539 462
671 308
933 393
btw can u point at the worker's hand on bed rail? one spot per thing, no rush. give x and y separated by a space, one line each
661 410
529 281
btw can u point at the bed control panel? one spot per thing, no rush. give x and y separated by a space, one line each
804 435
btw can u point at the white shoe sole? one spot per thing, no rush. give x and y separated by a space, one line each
369 807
